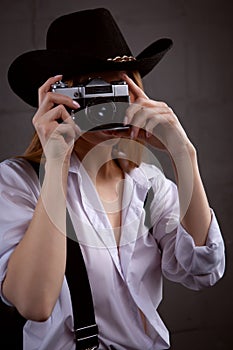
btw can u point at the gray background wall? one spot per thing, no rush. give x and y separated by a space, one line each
195 79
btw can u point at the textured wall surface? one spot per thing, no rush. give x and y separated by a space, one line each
196 80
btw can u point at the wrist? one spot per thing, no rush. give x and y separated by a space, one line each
57 166
56 174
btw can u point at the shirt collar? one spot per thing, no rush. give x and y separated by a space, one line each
74 163
140 175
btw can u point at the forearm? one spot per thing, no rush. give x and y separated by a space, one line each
36 268
195 212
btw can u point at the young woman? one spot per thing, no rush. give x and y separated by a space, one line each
104 185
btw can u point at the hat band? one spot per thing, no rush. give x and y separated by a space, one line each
122 59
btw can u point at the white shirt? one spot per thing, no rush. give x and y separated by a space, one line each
121 283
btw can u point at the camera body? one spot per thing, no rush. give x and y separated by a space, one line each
102 104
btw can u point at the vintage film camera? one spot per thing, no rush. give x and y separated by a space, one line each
102 104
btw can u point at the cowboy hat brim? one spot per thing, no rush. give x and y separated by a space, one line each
31 69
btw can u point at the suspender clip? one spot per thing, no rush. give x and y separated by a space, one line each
86 338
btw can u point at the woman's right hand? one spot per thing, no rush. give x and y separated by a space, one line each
54 125
37 266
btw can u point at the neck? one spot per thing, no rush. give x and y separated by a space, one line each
97 160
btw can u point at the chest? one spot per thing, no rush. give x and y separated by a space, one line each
107 214
110 195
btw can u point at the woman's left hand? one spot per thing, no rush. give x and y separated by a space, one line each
154 122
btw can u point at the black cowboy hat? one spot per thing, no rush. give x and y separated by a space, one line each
78 43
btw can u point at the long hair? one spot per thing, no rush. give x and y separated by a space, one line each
128 154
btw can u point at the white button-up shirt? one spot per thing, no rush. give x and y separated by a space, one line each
125 280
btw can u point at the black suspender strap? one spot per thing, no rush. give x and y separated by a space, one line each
85 328
147 204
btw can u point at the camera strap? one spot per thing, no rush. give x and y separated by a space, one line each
85 327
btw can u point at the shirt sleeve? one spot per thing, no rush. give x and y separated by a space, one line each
193 266
19 191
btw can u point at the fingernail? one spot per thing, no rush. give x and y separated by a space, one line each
58 76
78 130
76 104
132 134
148 134
126 119
121 154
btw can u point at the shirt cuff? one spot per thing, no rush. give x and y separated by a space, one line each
3 268
200 260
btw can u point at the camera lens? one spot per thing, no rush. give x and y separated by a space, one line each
100 113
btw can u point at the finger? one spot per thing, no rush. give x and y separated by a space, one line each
60 142
51 99
50 120
154 104
66 119
46 87
136 107
141 119
58 114
151 124
134 88
51 128
75 127
131 111
66 130
167 129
